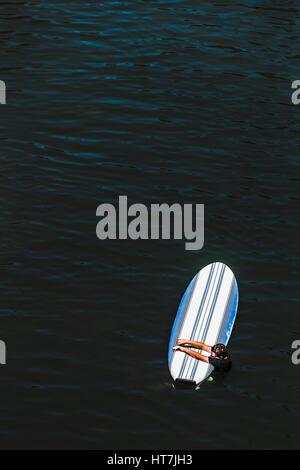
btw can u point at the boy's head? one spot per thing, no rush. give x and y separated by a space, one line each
220 350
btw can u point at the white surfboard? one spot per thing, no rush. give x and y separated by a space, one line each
206 313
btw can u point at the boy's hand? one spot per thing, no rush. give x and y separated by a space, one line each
181 341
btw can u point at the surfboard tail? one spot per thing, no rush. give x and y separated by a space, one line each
185 383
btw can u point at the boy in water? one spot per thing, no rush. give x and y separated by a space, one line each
219 357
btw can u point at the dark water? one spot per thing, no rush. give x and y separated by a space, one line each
182 101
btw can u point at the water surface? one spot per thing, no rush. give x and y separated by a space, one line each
162 101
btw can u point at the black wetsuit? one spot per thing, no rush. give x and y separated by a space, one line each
220 364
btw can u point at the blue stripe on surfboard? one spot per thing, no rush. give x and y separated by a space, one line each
204 317
212 308
202 314
232 317
198 315
180 318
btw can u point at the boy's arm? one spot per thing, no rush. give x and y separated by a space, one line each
192 353
194 344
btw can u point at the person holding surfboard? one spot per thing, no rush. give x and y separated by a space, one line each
219 357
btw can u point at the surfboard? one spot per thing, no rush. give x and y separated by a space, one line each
206 313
